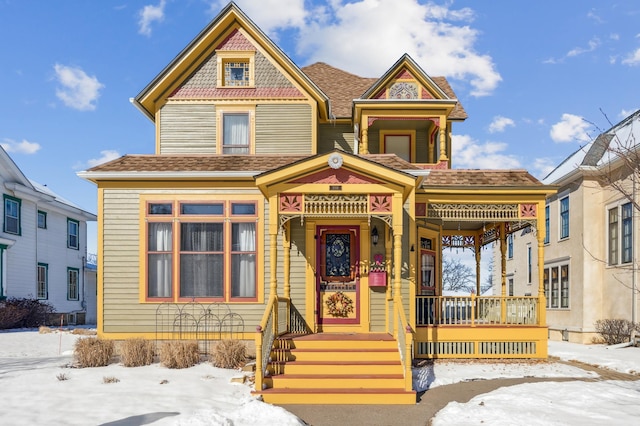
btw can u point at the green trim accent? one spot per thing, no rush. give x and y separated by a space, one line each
44 214
69 235
19 202
46 281
77 283
3 247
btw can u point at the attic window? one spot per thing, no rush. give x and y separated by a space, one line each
236 73
235 68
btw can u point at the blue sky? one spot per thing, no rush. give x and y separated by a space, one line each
537 78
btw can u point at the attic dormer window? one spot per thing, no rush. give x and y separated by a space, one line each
403 90
236 74
235 68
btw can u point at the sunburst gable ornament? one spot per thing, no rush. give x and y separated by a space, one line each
335 161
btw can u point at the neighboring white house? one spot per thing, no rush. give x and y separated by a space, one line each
592 229
43 246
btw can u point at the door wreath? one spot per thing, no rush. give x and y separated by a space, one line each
339 304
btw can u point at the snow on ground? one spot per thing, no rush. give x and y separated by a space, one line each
559 403
39 387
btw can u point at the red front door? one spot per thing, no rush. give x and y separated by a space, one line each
338 275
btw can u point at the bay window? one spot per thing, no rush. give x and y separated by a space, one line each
201 250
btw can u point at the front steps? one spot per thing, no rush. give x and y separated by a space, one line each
336 368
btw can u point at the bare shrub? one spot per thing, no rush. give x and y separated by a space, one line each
229 354
614 331
62 377
136 352
84 331
23 313
93 352
179 354
43 329
110 379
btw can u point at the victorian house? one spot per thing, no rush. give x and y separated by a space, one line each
305 210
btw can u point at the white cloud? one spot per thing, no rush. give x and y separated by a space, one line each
571 128
500 123
355 35
269 15
541 167
22 147
107 155
78 90
150 14
626 113
591 46
468 153
633 58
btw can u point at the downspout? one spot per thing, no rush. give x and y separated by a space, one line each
634 293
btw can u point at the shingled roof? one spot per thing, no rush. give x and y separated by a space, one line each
480 178
342 88
225 163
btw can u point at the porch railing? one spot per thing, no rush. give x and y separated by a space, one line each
274 323
280 317
405 343
476 310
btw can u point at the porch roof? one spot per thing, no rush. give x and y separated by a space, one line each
480 178
205 165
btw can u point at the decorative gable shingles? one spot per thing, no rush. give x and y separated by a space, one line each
236 41
270 83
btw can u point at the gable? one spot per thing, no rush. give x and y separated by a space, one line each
269 81
404 85
336 177
192 74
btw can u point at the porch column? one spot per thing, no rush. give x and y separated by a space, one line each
273 240
388 251
478 259
397 248
397 267
286 248
364 149
542 299
503 272
443 139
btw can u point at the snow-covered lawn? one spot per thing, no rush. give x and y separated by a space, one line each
37 386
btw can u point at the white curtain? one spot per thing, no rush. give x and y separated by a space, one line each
160 237
201 271
236 132
243 262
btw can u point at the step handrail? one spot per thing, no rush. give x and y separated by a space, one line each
404 335
274 323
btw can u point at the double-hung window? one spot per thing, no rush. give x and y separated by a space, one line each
620 234
42 289
12 215
556 286
235 133
564 218
627 233
73 275
203 250
73 234
546 224
42 219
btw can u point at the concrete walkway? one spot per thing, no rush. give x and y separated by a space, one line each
429 403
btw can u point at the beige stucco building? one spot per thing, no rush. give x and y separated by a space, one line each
590 260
